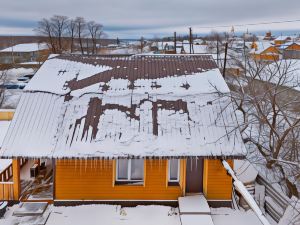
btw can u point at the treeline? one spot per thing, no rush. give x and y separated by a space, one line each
67 34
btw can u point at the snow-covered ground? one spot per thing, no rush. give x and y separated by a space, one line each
12 96
140 215
227 216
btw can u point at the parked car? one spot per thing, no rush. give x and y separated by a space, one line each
29 76
13 86
24 79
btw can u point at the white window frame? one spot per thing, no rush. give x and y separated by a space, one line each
169 172
128 173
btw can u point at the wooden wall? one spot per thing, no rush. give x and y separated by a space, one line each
6 114
94 180
217 184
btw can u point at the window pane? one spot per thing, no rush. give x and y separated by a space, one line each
137 169
122 169
174 169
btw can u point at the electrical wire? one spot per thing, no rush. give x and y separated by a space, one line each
248 24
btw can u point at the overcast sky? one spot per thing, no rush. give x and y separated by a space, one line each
134 18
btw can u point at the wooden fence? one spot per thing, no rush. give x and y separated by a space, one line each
6 191
7 186
275 201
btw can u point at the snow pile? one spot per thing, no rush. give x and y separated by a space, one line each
245 171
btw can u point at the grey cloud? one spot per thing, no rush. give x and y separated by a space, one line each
130 16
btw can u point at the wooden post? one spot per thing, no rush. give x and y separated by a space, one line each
191 40
183 175
175 42
218 61
54 179
16 179
225 59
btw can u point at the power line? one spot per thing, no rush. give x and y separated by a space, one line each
249 24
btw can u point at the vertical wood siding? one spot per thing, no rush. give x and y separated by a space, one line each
94 180
16 179
217 184
6 115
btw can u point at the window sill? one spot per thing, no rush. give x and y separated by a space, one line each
173 184
129 183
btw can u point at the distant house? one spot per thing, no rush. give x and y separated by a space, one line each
269 36
163 47
184 48
21 53
264 51
290 50
283 39
135 129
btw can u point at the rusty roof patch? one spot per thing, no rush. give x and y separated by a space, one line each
140 67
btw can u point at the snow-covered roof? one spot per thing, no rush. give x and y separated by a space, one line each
288 44
4 124
261 46
29 47
284 38
141 106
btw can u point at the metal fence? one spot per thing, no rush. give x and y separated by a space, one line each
275 202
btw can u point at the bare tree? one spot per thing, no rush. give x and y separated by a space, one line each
270 111
95 31
59 25
81 31
3 79
142 44
72 32
45 28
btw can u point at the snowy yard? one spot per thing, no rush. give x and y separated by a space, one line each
12 96
115 215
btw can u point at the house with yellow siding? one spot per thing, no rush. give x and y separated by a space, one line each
290 50
282 39
264 51
139 129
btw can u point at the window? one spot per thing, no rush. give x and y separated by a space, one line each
174 170
130 170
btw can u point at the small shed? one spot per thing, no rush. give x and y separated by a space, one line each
21 53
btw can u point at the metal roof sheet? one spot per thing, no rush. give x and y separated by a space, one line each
145 112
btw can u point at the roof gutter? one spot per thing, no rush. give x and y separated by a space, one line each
3 156
239 186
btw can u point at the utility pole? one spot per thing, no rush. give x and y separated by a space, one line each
175 42
245 57
191 40
218 63
225 59
12 51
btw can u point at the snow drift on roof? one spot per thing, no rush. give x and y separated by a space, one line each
261 46
141 106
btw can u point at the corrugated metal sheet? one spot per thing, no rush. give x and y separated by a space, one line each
149 108
32 132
